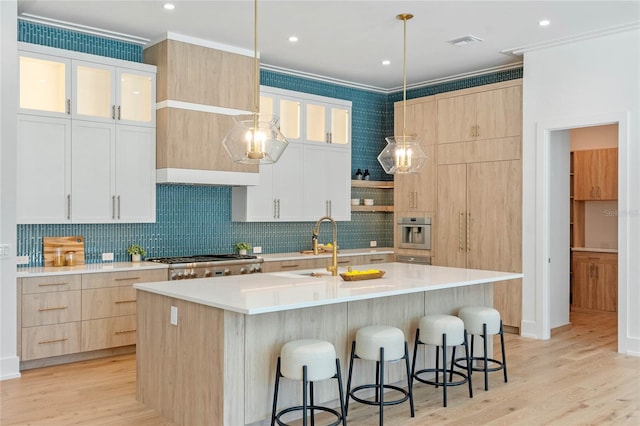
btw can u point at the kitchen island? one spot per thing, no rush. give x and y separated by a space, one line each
207 348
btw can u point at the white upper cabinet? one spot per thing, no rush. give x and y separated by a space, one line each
45 85
312 178
86 138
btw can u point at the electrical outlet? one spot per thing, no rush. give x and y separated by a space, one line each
373 244
174 315
22 260
257 250
107 256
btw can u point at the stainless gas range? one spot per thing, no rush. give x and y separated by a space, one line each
209 265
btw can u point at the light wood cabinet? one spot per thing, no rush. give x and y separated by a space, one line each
67 314
596 174
488 112
595 283
313 262
415 193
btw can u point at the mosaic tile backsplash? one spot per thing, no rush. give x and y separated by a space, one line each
197 219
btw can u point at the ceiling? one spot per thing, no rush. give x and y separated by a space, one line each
347 40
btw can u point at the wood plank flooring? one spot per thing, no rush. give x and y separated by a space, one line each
575 378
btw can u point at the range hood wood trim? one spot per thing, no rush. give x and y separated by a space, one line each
207 177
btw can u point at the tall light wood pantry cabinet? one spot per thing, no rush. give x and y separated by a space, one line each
473 183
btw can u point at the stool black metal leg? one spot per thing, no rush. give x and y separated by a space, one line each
409 377
453 358
486 363
466 354
504 357
381 372
353 352
313 421
444 368
341 393
472 350
377 381
415 354
275 394
437 365
304 395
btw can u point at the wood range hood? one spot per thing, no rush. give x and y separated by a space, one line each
201 85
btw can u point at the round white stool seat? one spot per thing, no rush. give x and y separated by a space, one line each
318 355
370 339
475 316
432 327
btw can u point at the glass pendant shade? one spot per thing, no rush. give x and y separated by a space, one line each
255 139
403 154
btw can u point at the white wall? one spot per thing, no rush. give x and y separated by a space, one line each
589 82
9 362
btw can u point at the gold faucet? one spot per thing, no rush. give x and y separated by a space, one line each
333 268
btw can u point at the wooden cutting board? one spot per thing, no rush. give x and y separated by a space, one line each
74 243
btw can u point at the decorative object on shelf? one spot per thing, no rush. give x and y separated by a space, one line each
136 252
256 139
366 175
242 247
403 154
358 174
355 201
368 201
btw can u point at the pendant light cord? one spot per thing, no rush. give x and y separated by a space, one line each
404 82
256 68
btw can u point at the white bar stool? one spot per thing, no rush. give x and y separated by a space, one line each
484 322
380 343
308 360
442 331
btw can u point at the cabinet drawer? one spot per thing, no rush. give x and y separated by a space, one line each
50 340
51 283
108 333
379 258
51 308
122 278
108 302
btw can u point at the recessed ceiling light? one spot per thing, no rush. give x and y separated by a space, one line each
386 62
293 39
544 23
169 6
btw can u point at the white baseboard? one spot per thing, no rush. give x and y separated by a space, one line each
9 368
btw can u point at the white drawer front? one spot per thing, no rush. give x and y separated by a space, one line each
51 308
108 333
50 340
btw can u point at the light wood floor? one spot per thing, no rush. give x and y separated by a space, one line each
576 378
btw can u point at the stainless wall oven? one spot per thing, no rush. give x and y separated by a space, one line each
415 233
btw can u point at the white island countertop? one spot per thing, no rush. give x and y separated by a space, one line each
281 291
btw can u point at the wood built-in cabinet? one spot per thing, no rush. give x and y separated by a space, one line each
472 183
68 314
86 138
313 262
596 174
595 284
200 89
311 178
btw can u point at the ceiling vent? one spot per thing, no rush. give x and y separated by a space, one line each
465 40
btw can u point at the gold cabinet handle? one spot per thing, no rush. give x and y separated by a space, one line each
117 302
344 261
477 130
69 106
376 259
131 330
289 266
55 308
50 284
468 232
44 342
460 225
127 279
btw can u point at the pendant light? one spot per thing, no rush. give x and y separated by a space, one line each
255 139
403 153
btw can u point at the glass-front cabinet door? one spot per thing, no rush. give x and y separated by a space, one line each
288 111
94 92
136 97
340 125
328 123
45 87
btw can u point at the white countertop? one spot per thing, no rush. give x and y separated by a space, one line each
594 249
276 257
89 268
281 291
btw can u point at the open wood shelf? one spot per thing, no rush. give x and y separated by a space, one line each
372 184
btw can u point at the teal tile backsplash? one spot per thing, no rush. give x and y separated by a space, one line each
197 219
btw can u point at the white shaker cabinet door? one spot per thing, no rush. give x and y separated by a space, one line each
135 174
44 169
93 180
